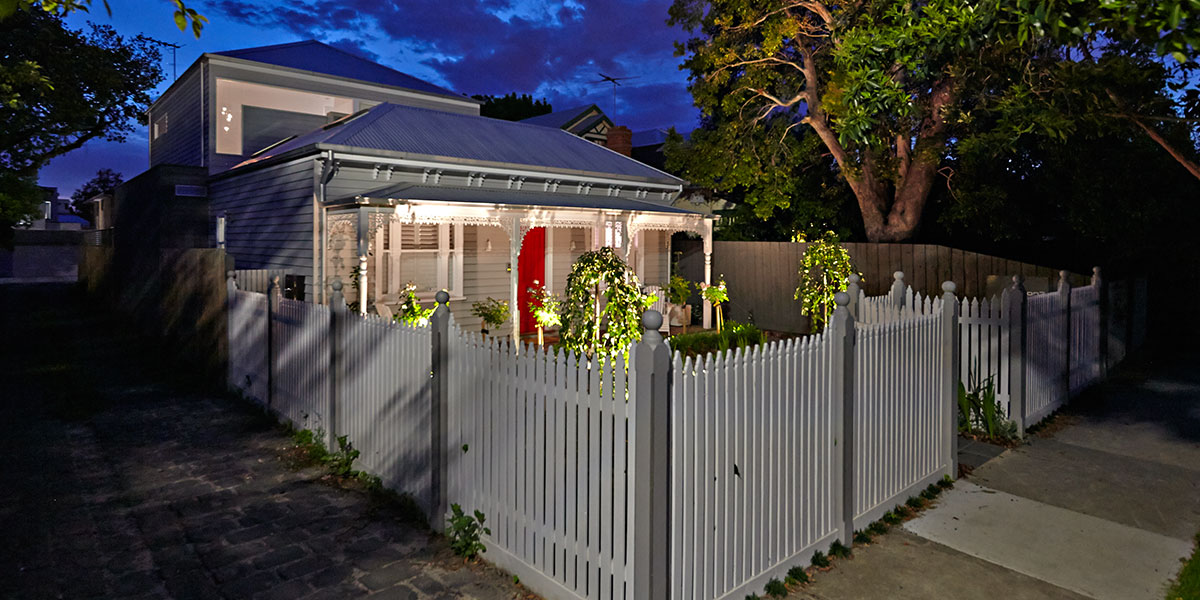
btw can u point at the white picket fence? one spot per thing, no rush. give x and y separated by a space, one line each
539 441
600 480
755 467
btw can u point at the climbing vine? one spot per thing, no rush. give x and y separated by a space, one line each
823 272
603 307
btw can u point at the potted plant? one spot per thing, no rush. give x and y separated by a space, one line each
716 295
492 311
679 312
545 307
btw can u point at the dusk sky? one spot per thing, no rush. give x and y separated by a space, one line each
551 49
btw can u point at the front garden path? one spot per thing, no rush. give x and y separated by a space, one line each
1103 503
120 480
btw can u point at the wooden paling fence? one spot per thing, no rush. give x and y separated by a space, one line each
660 476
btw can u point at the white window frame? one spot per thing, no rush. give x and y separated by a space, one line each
449 259
160 127
614 234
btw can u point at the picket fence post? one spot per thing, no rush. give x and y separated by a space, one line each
650 380
842 386
338 315
896 294
1102 303
854 290
1017 315
1064 292
439 325
274 295
950 373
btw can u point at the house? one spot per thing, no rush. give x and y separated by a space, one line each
330 166
587 122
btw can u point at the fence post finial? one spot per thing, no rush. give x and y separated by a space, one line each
854 290
896 293
1019 283
1064 282
337 302
1096 276
951 370
650 399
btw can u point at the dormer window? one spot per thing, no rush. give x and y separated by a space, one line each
252 116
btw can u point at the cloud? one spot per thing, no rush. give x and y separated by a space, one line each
551 48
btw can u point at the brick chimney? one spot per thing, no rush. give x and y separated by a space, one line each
620 139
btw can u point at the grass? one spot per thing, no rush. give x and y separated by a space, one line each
1187 585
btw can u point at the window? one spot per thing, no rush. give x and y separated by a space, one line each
251 116
428 255
614 234
160 127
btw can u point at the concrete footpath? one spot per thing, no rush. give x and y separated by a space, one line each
119 480
1103 504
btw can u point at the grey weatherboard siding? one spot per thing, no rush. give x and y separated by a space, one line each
181 144
269 217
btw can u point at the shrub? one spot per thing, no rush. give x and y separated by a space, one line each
464 532
819 560
823 272
798 574
410 309
736 335
980 412
546 309
776 589
716 295
839 550
678 290
862 537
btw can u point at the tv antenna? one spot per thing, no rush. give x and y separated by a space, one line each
173 47
615 81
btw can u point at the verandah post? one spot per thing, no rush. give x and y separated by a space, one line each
842 330
1016 313
950 373
338 316
439 325
649 386
274 295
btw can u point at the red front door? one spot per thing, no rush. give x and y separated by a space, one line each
531 266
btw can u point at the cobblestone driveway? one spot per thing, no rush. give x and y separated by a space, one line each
118 482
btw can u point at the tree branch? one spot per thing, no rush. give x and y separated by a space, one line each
1175 153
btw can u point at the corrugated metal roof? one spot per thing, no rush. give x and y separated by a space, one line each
397 128
653 137
412 191
311 55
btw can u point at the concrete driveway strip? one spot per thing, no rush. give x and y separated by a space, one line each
1085 554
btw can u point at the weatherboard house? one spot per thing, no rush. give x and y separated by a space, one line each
328 165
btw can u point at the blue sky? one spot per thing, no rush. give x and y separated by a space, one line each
549 48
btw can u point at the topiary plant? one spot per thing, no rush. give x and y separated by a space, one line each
546 309
716 295
823 272
604 328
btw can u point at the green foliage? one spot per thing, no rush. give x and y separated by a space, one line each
914 503
980 412
1187 584
339 462
862 537
492 311
776 589
891 518
678 290
752 596
105 182
410 310
819 560
736 335
464 532
61 88
798 574
183 14
545 307
589 328
342 462
823 272
839 550
717 295
511 107
877 528
19 200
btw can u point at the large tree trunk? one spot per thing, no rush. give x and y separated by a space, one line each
894 215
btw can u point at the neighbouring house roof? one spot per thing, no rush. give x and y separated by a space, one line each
570 118
311 55
467 139
412 191
652 137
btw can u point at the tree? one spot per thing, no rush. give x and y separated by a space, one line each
105 182
890 87
512 107
93 85
184 16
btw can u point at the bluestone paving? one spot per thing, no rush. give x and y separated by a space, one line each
119 483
